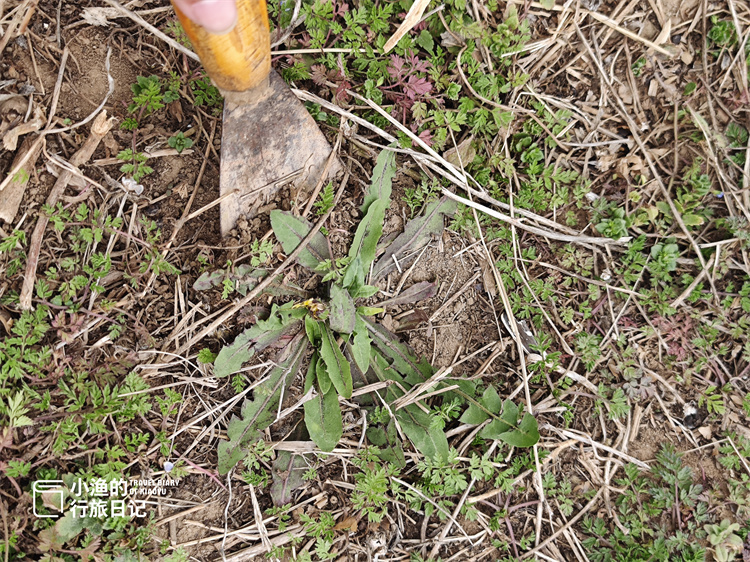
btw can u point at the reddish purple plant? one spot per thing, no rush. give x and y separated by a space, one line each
408 86
426 136
677 334
321 75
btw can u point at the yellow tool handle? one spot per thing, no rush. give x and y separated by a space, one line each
241 58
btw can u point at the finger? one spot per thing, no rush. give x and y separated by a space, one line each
216 16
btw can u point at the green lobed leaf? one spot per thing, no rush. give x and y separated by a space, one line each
342 312
527 434
260 412
336 364
476 415
291 230
507 428
507 421
323 416
70 526
417 234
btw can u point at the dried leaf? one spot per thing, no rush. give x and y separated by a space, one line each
347 524
418 233
488 277
415 293
412 18
12 196
10 138
99 16
412 320
463 155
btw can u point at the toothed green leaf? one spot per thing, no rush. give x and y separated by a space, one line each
324 380
260 412
382 179
476 415
264 333
336 364
416 424
361 345
322 415
388 442
377 200
342 311
291 230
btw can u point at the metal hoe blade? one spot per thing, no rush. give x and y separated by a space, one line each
267 143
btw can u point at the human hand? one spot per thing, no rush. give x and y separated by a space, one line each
216 16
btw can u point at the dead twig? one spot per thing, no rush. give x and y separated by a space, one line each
151 29
101 127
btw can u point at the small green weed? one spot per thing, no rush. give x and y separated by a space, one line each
179 142
135 164
722 32
670 494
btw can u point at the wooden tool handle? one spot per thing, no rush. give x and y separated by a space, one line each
240 59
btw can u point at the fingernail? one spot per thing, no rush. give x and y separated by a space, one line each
216 16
